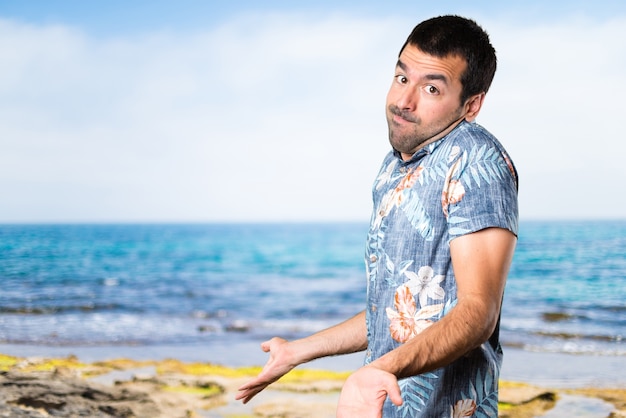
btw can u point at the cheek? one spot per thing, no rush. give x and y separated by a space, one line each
442 112
395 94
431 114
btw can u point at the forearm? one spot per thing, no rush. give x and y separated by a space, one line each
365 391
464 328
481 262
347 337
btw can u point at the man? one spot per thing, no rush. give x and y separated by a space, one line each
441 240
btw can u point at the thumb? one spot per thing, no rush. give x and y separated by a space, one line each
265 346
393 391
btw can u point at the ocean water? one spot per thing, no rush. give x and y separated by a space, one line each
145 285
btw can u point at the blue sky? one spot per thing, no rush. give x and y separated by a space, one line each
125 111
119 17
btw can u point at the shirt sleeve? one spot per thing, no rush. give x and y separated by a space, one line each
480 190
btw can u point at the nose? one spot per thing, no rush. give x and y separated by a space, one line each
407 99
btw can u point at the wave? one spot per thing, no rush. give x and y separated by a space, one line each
569 348
53 310
581 337
558 341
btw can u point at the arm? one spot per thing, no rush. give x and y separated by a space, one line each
481 262
347 337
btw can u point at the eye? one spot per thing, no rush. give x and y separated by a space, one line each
430 89
401 79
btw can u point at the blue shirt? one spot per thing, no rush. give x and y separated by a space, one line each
457 185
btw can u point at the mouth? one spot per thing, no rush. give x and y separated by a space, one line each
399 117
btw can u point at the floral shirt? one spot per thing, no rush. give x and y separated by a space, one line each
460 184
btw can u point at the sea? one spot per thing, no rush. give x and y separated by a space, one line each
227 284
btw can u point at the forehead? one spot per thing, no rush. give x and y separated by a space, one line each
416 62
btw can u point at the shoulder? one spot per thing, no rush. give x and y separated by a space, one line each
472 134
475 144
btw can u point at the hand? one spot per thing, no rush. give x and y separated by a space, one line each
281 362
365 391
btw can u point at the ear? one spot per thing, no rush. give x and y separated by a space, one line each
473 106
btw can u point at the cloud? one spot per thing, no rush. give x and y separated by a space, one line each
556 104
279 117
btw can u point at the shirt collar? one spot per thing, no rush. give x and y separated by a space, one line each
428 149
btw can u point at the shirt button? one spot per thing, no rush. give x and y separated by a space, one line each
374 308
373 258
403 170
381 213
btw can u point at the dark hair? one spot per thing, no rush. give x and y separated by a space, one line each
454 35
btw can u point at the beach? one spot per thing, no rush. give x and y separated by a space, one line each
166 320
558 370
171 382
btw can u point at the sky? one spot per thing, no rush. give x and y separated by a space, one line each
247 111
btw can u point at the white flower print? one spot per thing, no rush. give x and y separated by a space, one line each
385 176
395 197
454 152
453 190
425 284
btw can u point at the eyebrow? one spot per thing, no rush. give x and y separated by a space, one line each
434 76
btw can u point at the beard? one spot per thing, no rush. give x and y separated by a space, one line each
408 139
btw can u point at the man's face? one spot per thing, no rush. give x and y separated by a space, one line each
423 103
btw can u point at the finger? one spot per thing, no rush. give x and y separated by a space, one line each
244 388
265 346
248 385
254 384
393 391
247 396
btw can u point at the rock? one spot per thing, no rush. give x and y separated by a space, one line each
8 411
524 394
294 409
35 395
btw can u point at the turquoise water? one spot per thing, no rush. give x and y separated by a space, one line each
65 285
567 288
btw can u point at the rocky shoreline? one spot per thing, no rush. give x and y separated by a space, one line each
65 387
